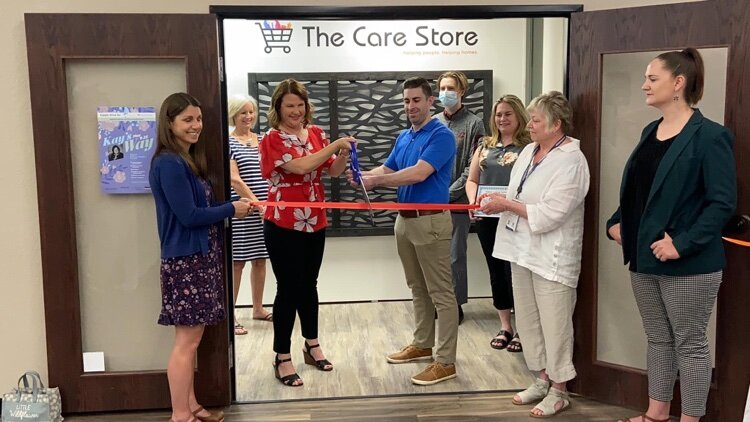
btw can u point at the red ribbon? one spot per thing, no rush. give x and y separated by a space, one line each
737 242
395 206
392 206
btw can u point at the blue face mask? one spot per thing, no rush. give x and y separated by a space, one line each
448 98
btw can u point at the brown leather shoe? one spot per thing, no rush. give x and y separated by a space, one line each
408 354
434 373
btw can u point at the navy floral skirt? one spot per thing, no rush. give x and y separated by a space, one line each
192 287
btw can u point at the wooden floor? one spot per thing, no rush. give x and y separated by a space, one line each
421 408
356 338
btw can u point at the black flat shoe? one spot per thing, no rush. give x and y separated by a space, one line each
323 364
288 380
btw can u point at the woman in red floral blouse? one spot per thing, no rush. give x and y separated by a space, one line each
294 155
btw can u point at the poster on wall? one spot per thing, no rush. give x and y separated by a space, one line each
127 141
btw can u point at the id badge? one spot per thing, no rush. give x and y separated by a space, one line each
511 221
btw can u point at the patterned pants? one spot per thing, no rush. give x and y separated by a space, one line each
675 312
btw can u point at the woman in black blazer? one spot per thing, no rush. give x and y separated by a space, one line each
678 190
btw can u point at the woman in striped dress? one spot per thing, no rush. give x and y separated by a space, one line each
248 243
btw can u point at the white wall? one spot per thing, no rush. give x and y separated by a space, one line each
21 304
499 45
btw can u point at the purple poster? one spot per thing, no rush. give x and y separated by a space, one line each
127 140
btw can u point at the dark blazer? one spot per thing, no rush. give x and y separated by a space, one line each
693 195
183 215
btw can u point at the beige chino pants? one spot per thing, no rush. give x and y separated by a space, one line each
424 246
544 320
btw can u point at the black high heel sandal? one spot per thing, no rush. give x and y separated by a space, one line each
288 380
320 364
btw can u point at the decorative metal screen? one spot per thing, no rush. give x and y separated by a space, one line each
368 106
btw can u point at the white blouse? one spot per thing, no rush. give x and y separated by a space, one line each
549 242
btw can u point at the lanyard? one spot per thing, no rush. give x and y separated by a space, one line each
531 167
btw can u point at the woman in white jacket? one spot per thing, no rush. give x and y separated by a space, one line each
541 234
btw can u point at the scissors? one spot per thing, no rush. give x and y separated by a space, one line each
357 173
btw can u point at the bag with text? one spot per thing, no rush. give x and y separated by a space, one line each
30 401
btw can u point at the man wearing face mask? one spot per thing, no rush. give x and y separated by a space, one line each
468 129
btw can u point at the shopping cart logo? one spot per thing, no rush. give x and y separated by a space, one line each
276 35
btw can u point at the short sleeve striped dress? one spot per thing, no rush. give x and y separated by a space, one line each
247 234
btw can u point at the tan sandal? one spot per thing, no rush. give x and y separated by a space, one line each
645 418
268 317
212 417
548 406
535 393
239 329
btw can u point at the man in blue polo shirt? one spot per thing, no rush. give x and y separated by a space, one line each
420 166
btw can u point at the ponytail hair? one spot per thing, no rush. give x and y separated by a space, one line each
689 64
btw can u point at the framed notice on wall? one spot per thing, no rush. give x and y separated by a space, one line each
127 141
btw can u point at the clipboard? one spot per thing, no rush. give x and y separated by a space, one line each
484 189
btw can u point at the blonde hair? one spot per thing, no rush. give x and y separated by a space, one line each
521 135
236 103
288 86
554 106
459 77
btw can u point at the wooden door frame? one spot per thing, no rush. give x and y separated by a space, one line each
675 26
51 40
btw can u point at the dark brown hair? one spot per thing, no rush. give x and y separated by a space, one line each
689 64
417 82
172 106
288 86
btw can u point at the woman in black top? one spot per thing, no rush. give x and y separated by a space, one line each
678 190
491 165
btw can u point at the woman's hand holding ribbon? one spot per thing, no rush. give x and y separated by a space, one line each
493 203
345 144
260 208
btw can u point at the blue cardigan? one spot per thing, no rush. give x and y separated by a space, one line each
182 214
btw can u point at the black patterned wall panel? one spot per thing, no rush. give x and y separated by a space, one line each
368 106
319 92
372 112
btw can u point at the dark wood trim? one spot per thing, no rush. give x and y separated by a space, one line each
394 12
51 40
700 24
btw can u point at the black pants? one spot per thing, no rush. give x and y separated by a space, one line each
500 278
295 258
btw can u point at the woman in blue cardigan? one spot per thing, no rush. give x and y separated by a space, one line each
678 190
191 250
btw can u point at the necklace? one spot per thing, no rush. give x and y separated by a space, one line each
249 139
295 132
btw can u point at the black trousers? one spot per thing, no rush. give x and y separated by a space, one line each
295 258
500 277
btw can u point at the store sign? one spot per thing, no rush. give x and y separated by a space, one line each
323 46
278 35
423 35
